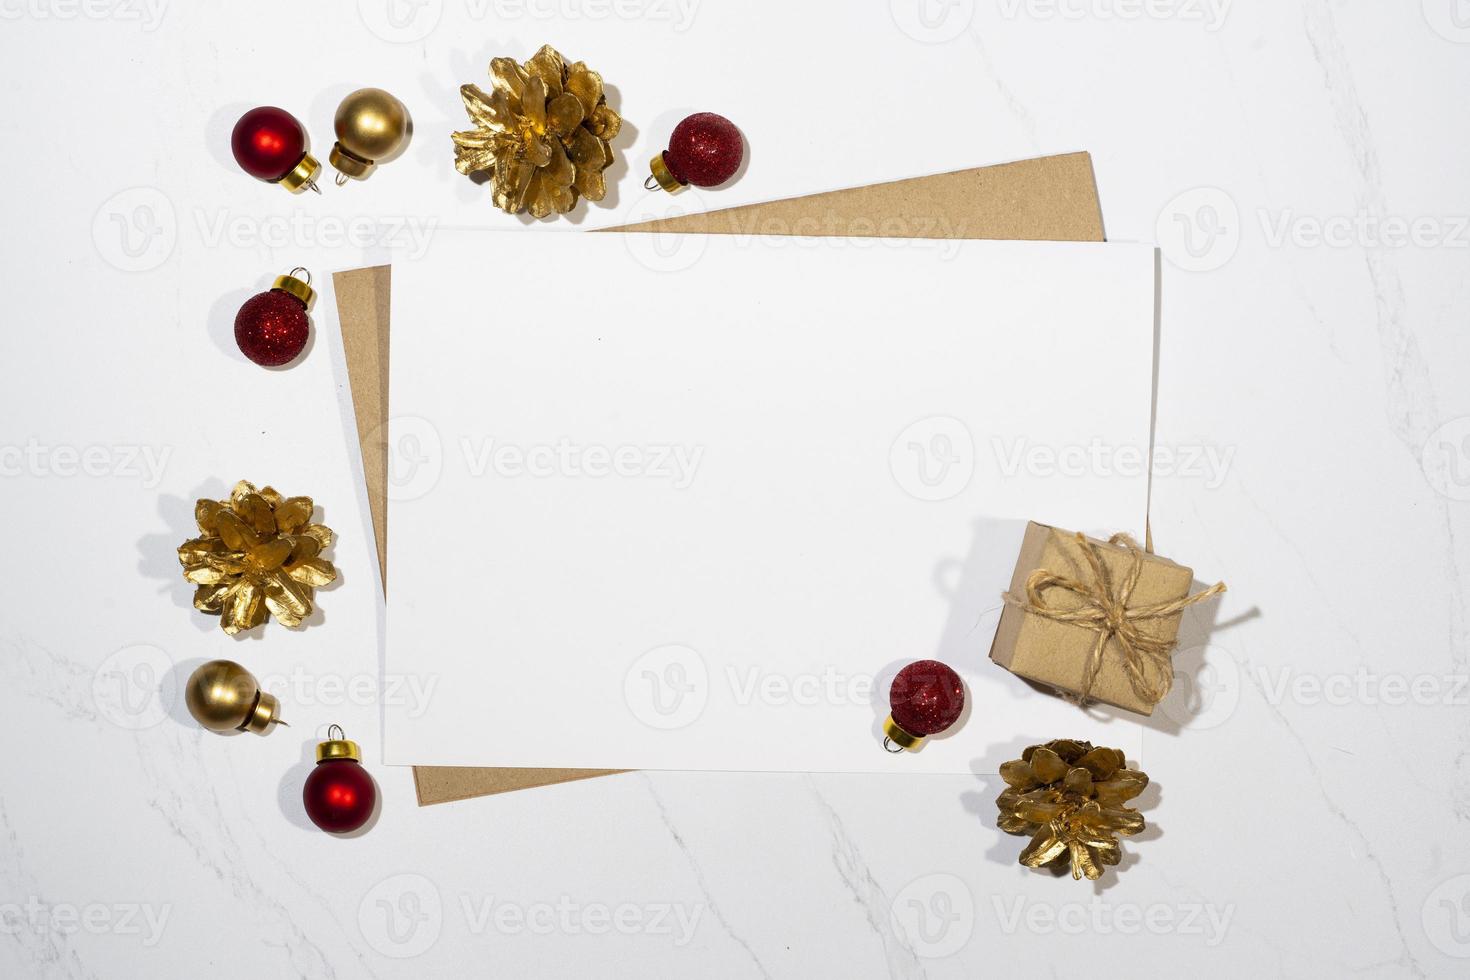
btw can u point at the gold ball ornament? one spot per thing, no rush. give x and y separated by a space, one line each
225 697
371 126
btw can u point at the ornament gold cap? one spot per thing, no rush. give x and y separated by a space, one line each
298 286
897 736
265 714
223 696
663 176
340 747
349 165
302 176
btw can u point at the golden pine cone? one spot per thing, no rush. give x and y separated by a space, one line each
543 134
1069 796
258 554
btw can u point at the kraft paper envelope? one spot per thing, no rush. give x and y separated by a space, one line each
1048 199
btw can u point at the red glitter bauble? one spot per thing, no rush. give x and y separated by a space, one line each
705 150
268 142
339 795
926 698
271 328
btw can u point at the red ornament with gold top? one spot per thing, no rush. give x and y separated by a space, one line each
705 150
270 144
272 327
926 698
339 794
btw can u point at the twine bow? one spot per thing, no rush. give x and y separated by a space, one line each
1106 611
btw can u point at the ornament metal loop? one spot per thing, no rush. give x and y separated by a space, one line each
662 176
338 729
894 734
651 184
296 283
341 179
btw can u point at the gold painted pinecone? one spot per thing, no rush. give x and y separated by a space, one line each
1069 796
543 134
257 554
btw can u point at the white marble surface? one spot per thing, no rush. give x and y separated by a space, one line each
1302 162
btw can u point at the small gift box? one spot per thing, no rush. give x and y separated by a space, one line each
1095 620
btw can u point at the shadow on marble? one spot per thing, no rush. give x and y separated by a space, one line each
171 690
159 551
1190 702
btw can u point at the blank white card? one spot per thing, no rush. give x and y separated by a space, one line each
676 502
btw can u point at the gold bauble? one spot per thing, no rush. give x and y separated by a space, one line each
371 125
225 697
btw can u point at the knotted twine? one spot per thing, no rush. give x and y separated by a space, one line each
1105 610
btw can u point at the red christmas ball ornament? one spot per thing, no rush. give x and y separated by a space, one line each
339 794
705 150
270 144
272 328
926 698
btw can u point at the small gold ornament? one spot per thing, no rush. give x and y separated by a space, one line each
371 125
225 697
1069 796
543 134
258 555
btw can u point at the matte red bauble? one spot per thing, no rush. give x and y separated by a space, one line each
705 150
926 698
272 327
270 144
339 794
